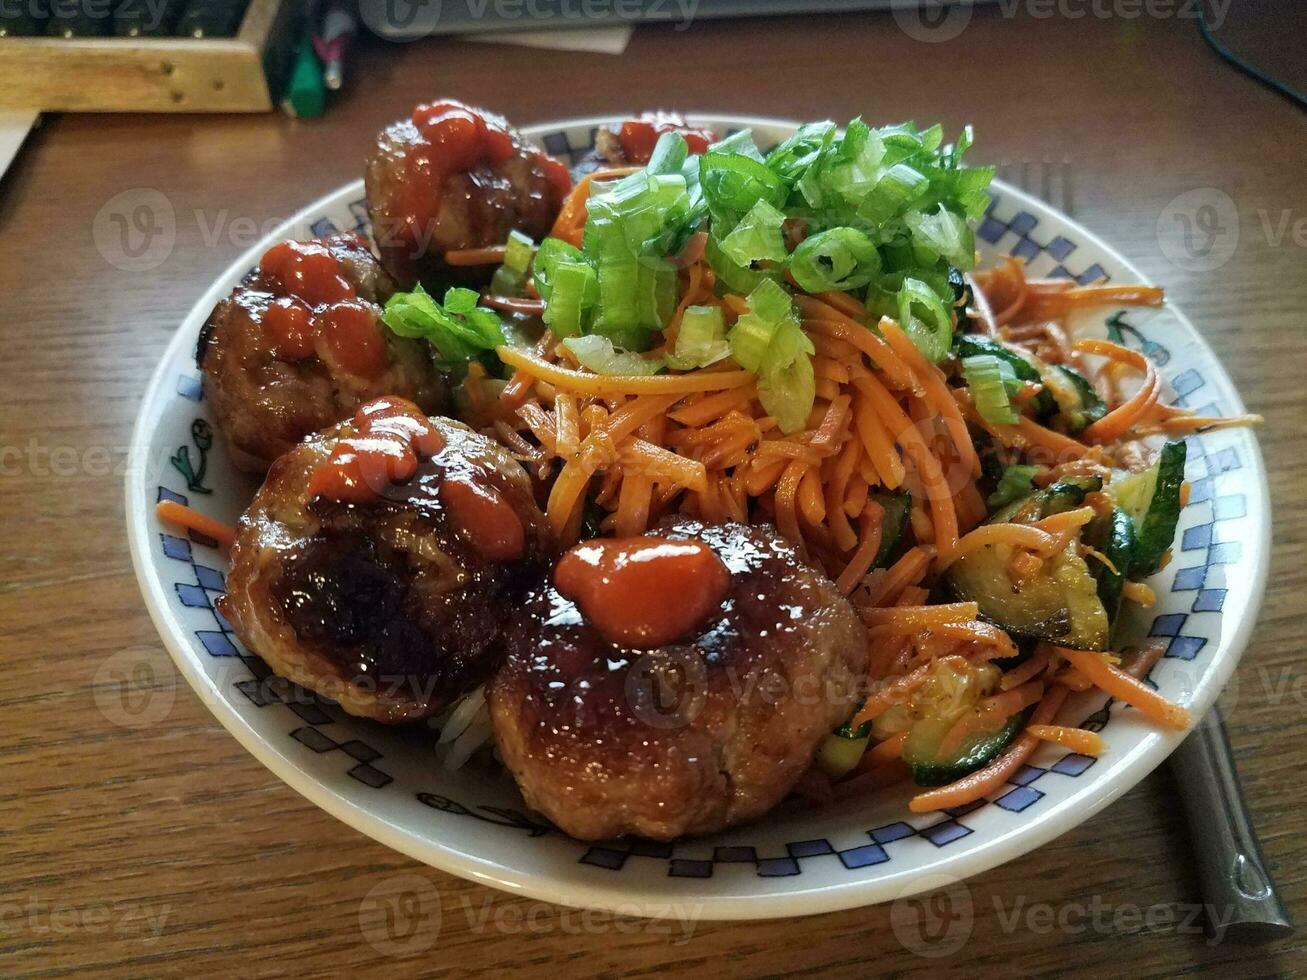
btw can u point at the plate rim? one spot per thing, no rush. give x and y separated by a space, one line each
1053 822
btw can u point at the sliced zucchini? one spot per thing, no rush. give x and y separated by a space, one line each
1152 499
1056 498
970 345
1077 402
1060 604
1026 647
1067 494
963 299
841 750
897 507
1013 484
1114 538
931 770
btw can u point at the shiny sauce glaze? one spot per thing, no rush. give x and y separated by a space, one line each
454 138
391 437
320 312
638 137
644 592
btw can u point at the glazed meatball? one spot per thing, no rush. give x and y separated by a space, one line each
453 177
299 345
674 684
388 594
633 141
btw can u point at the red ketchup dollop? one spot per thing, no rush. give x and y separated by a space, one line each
484 518
320 313
389 435
455 138
307 270
639 136
644 592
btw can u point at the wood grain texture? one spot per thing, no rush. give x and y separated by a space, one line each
107 831
152 74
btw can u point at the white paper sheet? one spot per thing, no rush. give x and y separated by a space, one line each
597 40
15 124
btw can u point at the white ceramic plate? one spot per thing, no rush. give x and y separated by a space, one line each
797 861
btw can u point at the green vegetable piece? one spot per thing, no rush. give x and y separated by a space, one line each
969 345
459 330
976 753
1114 538
894 525
1152 499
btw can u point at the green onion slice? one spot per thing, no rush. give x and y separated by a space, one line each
990 379
598 354
925 318
841 258
701 340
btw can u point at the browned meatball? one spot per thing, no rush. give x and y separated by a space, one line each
299 345
693 735
453 177
390 606
633 141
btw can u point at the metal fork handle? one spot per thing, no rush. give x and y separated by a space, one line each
1242 903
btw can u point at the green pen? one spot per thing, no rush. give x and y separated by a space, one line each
306 96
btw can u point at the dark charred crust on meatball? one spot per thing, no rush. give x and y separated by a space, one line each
382 606
690 737
263 404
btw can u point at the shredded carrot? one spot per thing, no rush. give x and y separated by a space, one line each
567 417
921 617
572 216
927 466
890 748
1018 535
490 255
1067 520
706 408
514 304
997 643
937 393
846 304
984 781
515 392
1123 687
172 512
1140 594
990 715
907 571
884 418
982 310
827 320
1032 666
878 445
1075 739
898 690
1117 422
605 384
1051 305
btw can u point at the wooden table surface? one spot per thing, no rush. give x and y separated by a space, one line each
168 850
